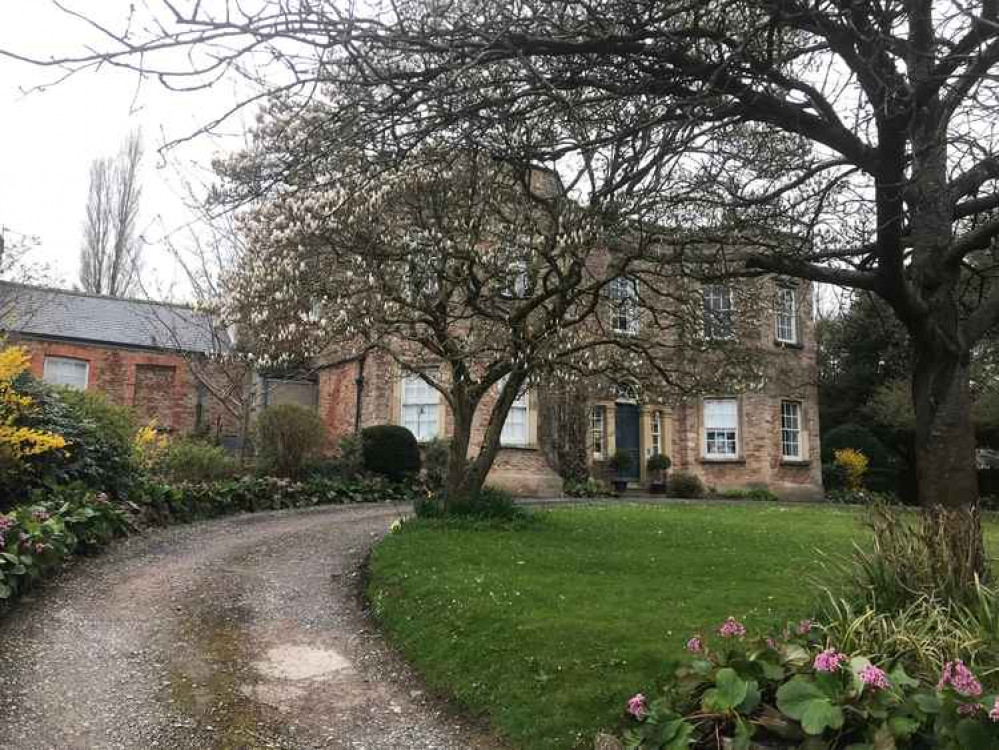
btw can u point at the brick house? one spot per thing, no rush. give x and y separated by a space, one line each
765 437
152 356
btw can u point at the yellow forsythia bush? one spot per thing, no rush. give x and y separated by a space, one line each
16 441
150 446
854 466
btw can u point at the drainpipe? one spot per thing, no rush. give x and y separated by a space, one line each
359 382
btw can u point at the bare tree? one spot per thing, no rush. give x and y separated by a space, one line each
110 256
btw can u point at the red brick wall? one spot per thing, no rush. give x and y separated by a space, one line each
156 384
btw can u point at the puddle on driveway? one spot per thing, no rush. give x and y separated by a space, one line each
290 662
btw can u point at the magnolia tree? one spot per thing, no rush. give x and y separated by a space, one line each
478 275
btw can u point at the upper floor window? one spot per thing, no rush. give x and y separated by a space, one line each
790 430
514 430
623 293
516 284
72 373
422 275
721 428
719 315
420 402
787 315
597 433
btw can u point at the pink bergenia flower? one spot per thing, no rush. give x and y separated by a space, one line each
40 515
695 645
772 644
829 660
874 677
994 713
6 523
39 548
959 677
637 707
731 628
805 627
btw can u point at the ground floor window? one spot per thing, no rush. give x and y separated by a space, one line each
790 429
721 428
597 433
65 371
419 407
515 426
657 433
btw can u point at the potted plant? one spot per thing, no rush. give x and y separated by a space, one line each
657 466
619 463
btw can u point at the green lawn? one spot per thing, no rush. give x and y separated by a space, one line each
548 629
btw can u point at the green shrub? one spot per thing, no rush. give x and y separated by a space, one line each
620 462
189 460
287 436
658 462
391 451
350 456
590 488
98 453
489 503
436 457
756 494
685 484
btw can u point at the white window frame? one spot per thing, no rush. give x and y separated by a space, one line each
656 432
429 407
521 404
718 312
623 292
49 376
710 437
790 430
598 431
786 315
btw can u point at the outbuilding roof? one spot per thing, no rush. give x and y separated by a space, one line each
71 315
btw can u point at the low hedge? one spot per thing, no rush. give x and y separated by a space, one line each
36 538
162 504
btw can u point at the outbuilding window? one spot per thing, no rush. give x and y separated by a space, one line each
72 373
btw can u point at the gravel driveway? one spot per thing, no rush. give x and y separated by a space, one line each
237 634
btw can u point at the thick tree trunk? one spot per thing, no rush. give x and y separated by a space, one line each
945 435
946 471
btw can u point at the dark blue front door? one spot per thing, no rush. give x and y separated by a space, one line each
626 438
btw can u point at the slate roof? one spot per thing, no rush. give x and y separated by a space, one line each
70 315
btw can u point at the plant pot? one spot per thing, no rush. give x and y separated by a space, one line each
620 485
657 488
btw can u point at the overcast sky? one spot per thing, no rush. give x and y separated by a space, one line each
49 138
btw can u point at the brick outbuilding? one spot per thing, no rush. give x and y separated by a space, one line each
161 359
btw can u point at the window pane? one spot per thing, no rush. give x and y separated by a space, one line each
419 407
66 371
787 320
790 432
718 316
597 429
721 420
